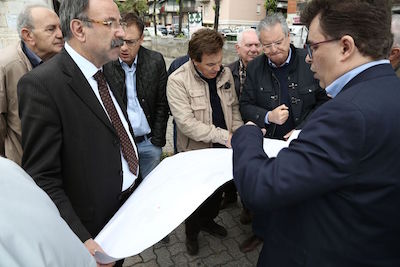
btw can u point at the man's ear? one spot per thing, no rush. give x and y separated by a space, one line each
394 54
77 30
141 39
237 48
348 47
27 36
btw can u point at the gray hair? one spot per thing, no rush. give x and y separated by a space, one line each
240 35
69 10
271 20
25 19
396 30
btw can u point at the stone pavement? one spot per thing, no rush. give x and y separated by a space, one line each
213 251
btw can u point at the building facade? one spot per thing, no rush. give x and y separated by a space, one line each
9 10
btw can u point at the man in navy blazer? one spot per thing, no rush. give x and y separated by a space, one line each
335 192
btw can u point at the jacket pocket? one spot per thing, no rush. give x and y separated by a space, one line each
307 94
197 99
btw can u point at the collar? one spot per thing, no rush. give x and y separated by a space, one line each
87 68
334 88
241 65
206 79
127 67
272 64
33 58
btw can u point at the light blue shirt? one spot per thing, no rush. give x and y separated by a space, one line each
334 88
136 114
88 70
274 66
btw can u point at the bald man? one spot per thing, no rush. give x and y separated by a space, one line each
394 56
41 38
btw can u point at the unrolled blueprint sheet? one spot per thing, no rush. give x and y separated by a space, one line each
166 197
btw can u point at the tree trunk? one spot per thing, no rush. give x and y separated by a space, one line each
154 17
216 18
180 16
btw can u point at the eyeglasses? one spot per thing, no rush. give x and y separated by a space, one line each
277 43
310 47
113 24
131 42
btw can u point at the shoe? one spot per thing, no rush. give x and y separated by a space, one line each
250 244
245 216
192 246
214 229
229 198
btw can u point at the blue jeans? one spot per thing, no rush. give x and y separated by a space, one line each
149 156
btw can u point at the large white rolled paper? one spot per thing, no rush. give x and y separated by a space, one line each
167 196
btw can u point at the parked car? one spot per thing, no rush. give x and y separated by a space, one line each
149 31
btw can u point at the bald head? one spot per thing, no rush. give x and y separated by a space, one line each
394 56
39 28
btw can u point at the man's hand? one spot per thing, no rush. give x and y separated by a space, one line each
228 142
279 115
92 246
263 130
286 136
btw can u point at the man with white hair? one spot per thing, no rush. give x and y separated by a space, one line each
41 38
394 56
248 47
279 94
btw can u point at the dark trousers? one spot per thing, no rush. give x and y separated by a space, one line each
203 214
229 189
260 224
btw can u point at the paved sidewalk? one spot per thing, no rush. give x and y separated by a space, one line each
213 251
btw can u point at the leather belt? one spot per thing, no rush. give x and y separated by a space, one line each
139 139
128 192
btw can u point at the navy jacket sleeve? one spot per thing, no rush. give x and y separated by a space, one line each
319 161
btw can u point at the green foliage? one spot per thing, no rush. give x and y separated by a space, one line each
271 6
181 35
140 7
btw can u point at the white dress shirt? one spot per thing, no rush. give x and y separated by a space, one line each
89 69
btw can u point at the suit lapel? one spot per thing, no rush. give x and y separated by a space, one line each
78 83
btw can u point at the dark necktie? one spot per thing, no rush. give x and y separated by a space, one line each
127 148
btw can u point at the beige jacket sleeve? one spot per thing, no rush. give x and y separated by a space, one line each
193 127
3 110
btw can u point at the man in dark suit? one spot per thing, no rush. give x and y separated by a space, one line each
77 142
335 192
142 78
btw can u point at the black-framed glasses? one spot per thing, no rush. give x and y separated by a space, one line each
113 24
310 47
131 42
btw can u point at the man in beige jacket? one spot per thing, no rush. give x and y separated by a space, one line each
202 98
41 38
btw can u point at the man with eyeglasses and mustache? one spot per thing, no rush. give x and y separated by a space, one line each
279 94
141 77
41 38
77 140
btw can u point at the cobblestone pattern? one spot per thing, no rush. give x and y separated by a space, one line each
213 251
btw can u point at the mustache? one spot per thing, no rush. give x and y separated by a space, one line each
117 43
